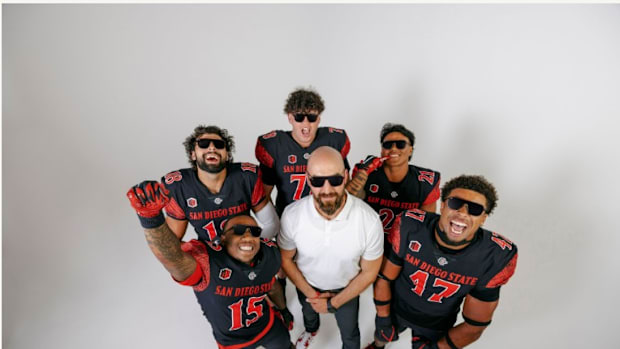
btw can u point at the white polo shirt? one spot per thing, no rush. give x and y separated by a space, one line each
329 251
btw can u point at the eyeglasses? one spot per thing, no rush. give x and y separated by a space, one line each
301 116
473 208
319 181
400 144
240 229
217 143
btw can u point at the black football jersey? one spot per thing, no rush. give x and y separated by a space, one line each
207 212
419 187
434 280
233 294
283 161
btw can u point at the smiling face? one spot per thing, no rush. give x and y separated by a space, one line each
326 162
458 226
211 159
240 247
397 157
304 132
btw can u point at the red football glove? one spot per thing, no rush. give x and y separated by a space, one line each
372 163
148 199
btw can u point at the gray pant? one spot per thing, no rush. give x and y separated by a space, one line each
346 318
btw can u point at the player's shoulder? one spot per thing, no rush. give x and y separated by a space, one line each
242 168
327 133
271 137
270 246
497 244
423 174
178 177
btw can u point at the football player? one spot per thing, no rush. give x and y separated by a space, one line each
434 263
231 280
389 184
283 155
215 188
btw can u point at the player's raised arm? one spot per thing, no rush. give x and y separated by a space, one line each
148 199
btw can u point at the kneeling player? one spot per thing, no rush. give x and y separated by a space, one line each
231 280
434 262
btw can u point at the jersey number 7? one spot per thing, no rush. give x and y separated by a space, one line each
301 185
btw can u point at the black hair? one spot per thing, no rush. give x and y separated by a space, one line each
472 182
190 141
304 100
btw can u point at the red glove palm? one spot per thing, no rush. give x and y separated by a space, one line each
148 199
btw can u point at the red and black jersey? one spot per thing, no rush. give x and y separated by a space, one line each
434 280
283 161
233 294
207 212
419 187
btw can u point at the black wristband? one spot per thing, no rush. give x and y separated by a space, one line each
450 342
378 302
381 276
476 323
152 222
330 307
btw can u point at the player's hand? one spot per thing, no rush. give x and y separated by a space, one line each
385 331
420 342
372 163
148 199
286 317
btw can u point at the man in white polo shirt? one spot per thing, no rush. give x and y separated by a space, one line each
332 246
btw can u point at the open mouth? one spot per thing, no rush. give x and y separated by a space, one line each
457 228
305 131
212 158
246 247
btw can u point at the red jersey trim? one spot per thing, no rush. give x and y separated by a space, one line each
394 234
258 194
262 155
256 339
192 279
433 195
345 149
199 251
503 276
174 210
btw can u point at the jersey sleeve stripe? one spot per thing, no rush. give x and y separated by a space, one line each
199 251
433 195
504 275
173 210
262 155
258 193
345 149
192 279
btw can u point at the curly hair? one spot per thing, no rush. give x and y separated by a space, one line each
304 100
190 141
472 182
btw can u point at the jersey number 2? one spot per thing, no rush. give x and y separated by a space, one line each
252 308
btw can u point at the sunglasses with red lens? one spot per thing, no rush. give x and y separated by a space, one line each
205 142
319 181
240 229
299 117
473 208
400 144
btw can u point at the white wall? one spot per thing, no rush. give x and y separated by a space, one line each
98 97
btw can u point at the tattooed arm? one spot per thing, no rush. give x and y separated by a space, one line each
167 248
148 199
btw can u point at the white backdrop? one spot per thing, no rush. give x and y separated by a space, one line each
99 97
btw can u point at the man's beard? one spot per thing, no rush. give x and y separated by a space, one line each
445 239
211 168
329 208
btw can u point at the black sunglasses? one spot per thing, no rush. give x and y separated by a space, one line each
311 117
473 208
217 143
399 144
319 181
240 229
